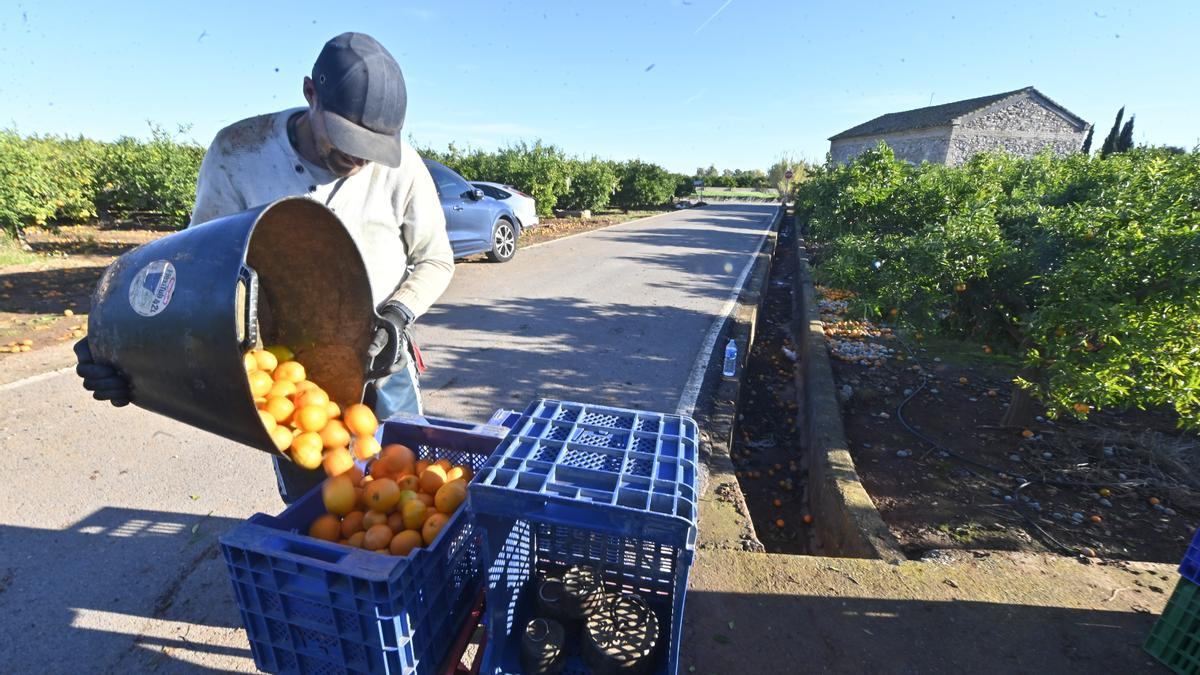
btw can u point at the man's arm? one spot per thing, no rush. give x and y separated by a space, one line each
429 252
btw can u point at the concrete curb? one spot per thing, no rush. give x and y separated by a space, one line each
844 517
724 514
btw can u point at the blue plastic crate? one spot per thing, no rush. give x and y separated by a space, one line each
1190 567
594 485
315 606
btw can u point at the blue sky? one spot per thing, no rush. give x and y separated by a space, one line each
683 83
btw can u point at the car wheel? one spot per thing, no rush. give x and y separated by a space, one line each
504 241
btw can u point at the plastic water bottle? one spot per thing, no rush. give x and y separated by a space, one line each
730 359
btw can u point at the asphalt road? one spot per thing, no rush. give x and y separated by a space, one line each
109 518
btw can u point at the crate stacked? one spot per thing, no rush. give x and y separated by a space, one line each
1175 638
313 606
577 486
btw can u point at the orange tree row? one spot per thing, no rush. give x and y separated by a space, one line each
1089 268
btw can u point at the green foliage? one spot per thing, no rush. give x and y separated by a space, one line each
1089 268
45 180
540 170
1110 141
683 185
1125 140
154 179
643 184
591 184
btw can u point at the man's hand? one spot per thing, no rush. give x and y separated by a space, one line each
105 383
392 326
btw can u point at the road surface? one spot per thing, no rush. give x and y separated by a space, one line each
109 518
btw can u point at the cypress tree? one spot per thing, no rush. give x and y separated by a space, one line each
1125 142
1087 142
1110 141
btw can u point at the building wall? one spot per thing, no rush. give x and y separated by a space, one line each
1023 127
921 145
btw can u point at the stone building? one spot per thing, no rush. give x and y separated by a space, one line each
1023 122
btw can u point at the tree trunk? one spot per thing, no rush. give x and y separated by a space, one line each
1020 408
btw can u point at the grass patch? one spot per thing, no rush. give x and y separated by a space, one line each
12 254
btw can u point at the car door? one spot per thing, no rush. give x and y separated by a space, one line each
464 225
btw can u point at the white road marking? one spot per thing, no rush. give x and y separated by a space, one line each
691 390
34 378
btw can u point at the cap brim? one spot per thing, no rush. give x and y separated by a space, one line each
361 142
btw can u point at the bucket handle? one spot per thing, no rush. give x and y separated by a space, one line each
249 278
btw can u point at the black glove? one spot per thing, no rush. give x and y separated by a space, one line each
391 331
105 383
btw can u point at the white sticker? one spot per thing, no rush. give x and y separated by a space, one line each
151 290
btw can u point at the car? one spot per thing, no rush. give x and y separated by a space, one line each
475 222
522 204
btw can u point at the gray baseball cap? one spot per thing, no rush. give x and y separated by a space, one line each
362 97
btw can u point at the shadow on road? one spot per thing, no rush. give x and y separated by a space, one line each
122 590
50 291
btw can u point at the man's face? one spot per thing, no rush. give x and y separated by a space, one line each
338 162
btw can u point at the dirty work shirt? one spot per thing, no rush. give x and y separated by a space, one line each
393 215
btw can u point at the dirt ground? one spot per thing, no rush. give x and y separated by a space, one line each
1120 485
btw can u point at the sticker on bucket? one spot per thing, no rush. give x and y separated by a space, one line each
151 290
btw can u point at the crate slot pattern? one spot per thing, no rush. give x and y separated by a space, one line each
582 454
581 484
1175 638
311 606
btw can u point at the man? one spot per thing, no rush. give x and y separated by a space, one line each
344 150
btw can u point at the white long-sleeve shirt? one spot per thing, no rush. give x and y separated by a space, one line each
393 215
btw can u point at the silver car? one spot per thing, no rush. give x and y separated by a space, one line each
524 206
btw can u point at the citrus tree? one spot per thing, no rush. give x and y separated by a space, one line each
1089 268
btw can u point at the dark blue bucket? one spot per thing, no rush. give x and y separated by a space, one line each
175 315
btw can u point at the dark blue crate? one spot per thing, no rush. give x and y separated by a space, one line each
581 484
315 606
562 460
1190 567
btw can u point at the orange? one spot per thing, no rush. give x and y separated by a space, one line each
333 410
422 464
307 442
450 496
444 463
779 522
433 525
359 419
356 539
807 519
268 420
396 521
1082 408
337 462
326 527
415 512
307 456
409 482
373 518
334 434
280 408
404 542
380 470
313 396
425 499
406 495
460 472
290 370
249 362
382 494
260 383
1095 519
311 418
378 536
366 447
356 476
352 522
282 388
282 436
265 359
281 353
400 458
432 479
1027 434
305 385
338 495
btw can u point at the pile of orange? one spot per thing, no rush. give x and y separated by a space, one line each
16 346
401 504
304 424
